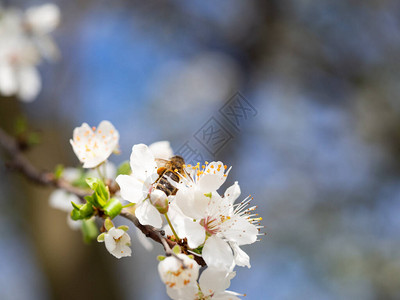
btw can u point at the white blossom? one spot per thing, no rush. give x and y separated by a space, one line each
136 187
191 196
24 39
218 223
176 274
93 146
117 242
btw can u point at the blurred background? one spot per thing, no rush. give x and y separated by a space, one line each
318 148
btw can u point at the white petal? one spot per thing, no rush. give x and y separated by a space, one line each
232 192
71 174
107 136
29 83
227 295
193 231
241 257
110 242
239 230
43 19
61 200
8 81
161 150
217 253
131 188
148 214
214 280
186 293
143 164
192 202
213 177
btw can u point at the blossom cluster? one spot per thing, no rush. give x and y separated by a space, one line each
24 41
206 226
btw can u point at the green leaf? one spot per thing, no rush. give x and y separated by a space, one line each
108 224
208 195
176 249
76 215
113 208
89 230
86 210
198 250
101 194
58 172
100 238
76 206
124 168
160 258
82 211
123 227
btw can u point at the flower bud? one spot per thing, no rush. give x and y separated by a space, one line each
160 200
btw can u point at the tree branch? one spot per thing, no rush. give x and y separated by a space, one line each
20 163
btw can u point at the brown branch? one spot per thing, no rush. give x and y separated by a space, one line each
20 163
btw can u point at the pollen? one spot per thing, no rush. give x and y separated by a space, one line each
94 128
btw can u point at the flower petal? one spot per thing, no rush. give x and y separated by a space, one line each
131 188
241 257
214 280
161 150
239 230
148 214
217 253
8 81
213 177
193 231
29 83
232 192
143 164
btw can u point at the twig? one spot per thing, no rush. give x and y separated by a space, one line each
20 163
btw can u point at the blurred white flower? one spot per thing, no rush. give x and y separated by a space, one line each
92 146
177 275
136 187
117 242
39 22
23 40
60 199
161 149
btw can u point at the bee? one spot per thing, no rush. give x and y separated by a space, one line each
169 170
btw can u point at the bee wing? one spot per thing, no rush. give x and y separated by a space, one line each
162 162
